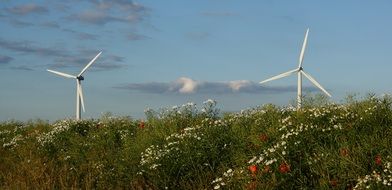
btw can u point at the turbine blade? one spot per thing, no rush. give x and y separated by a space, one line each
280 76
301 56
62 74
80 92
315 83
89 64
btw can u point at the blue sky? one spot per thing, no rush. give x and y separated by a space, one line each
164 53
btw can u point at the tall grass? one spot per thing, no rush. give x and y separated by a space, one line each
322 146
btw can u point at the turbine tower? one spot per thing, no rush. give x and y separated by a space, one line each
300 71
79 92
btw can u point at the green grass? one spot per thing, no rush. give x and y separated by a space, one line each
322 146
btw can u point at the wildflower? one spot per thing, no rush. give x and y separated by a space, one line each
99 125
378 160
344 152
253 169
266 169
252 185
263 137
252 160
333 182
284 168
141 124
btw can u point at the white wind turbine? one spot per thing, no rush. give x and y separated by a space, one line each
79 92
300 72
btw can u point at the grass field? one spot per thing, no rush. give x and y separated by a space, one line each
322 146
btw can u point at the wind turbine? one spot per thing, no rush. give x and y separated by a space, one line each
300 71
79 92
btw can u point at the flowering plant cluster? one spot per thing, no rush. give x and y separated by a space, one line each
383 177
174 143
61 126
12 134
294 134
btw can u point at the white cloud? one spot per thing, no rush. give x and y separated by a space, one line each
185 85
238 84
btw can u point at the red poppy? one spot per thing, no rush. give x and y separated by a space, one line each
284 168
253 169
141 124
263 137
378 160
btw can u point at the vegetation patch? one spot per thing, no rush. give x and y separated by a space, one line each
321 146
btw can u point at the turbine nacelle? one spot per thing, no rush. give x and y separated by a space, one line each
80 78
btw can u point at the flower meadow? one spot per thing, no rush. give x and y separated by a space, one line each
321 146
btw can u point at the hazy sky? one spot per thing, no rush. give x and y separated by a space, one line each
161 53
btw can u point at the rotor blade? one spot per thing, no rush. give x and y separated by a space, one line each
62 74
80 92
280 76
315 83
89 64
301 56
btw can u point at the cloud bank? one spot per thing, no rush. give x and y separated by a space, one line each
26 9
28 47
107 62
22 68
5 59
61 57
123 13
185 85
105 11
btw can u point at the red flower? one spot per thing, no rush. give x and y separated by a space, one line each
266 169
252 186
284 168
263 138
344 152
253 169
141 124
99 126
378 160
333 182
